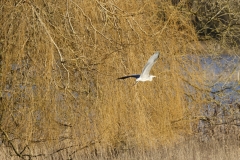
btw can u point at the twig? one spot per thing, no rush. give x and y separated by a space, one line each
48 33
12 146
69 20
89 19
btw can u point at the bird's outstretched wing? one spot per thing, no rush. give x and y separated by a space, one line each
150 63
133 76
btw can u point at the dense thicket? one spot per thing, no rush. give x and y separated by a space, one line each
59 64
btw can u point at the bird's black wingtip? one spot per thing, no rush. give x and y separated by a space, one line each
133 76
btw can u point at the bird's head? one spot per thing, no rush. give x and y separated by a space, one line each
151 77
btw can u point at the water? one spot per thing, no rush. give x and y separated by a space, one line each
224 108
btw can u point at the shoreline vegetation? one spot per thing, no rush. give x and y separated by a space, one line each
60 98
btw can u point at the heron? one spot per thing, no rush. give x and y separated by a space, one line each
144 76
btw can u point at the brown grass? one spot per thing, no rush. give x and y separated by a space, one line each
60 96
187 150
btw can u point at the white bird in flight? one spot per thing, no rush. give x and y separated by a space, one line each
144 76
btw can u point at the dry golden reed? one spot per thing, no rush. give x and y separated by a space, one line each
60 61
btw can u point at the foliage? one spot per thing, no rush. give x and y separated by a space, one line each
60 61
